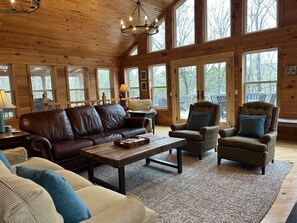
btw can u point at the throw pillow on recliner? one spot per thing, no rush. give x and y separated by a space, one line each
198 120
251 126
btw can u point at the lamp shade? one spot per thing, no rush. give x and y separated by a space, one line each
4 102
124 88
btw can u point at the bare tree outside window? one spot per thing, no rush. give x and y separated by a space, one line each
104 82
157 41
261 15
5 84
159 85
133 82
185 24
218 19
76 83
261 76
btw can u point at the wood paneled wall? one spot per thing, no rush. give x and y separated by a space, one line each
284 38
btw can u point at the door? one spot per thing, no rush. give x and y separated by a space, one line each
203 79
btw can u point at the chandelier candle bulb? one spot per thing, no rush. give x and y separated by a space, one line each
145 20
12 4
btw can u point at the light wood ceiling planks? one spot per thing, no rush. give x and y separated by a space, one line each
74 27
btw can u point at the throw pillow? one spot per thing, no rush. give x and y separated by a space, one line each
198 120
67 202
5 161
251 126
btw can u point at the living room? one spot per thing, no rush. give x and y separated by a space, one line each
205 50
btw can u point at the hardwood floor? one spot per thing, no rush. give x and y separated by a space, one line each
287 151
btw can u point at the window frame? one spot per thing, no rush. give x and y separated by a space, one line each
79 89
176 6
244 26
244 82
128 83
111 82
160 87
11 92
149 48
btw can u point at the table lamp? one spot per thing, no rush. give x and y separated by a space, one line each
123 89
4 103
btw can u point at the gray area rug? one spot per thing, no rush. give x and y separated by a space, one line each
204 192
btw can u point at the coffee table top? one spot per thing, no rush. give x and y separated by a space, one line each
117 156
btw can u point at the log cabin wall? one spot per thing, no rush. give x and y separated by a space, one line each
284 38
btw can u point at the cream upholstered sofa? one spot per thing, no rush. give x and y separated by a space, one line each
24 201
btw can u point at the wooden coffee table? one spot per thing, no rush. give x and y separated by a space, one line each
119 157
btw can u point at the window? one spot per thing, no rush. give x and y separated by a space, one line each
104 82
41 84
159 86
134 52
218 19
261 15
261 76
157 41
133 82
184 17
76 83
5 84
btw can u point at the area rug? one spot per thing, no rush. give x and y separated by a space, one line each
204 192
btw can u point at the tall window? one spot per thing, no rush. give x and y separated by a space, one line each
76 83
184 22
41 82
157 41
133 82
261 76
159 86
104 82
218 19
5 84
260 15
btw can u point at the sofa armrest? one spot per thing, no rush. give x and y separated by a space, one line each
178 126
38 144
209 130
269 137
227 132
16 155
135 122
128 210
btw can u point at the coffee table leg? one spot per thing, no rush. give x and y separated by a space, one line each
122 183
179 160
90 169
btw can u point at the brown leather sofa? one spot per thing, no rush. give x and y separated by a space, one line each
58 135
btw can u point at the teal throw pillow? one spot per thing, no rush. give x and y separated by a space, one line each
251 126
5 161
67 202
198 120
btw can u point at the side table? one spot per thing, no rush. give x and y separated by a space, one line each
148 114
13 139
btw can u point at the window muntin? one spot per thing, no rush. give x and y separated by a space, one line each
5 84
157 41
104 82
218 19
134 52
260 76
133 82
76 83
260 15
184 22
159 85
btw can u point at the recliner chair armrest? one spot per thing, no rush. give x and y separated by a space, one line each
267 138
209 130
135 122
41 145
228 132
178 126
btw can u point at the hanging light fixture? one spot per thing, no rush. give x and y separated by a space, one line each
146 28
20 6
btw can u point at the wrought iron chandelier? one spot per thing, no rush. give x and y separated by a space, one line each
146 29
20 6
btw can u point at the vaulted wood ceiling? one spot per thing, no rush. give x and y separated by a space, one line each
87 28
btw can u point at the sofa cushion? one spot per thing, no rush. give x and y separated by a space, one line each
112 116
129 132
69 148
22 200
16 155
84 120
53 125
67 203
4 161
104 137
244 143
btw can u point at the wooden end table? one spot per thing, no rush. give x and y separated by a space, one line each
13 139
148 114
119 157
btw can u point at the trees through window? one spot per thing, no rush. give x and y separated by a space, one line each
159 85
76 83
5 84
157 41
261 76
104 78
133 81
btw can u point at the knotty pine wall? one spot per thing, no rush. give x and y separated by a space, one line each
20 60
284 38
